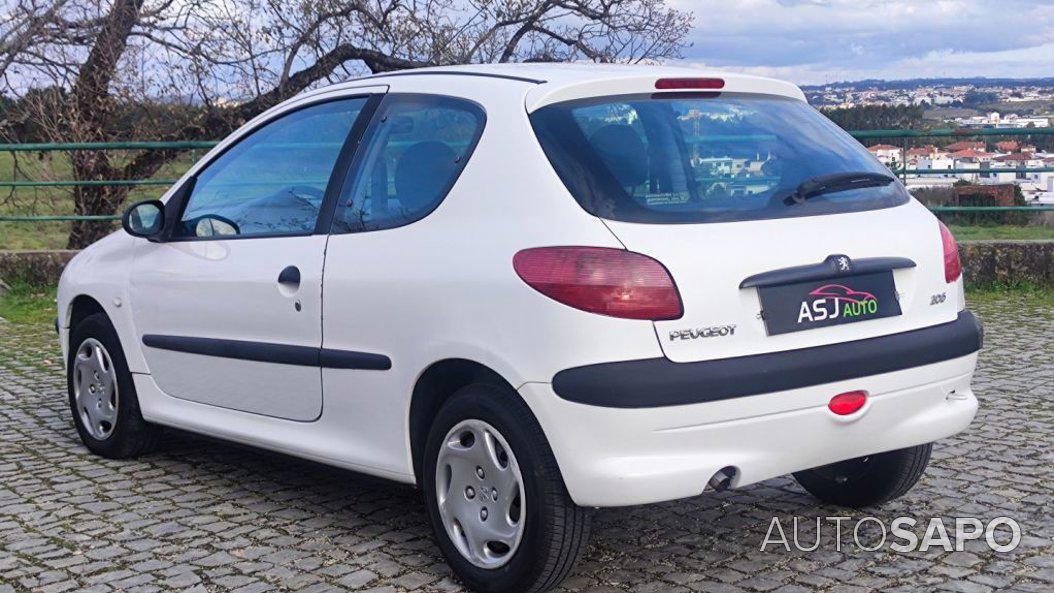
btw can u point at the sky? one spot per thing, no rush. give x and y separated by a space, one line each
820 41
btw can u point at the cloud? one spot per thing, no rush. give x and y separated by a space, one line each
813 41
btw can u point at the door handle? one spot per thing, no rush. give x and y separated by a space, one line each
290 276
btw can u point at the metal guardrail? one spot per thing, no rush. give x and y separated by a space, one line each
951 133
905 135
198 145
58 218
976 171
991 208
88 183
70 146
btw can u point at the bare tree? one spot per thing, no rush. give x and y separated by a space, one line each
236 58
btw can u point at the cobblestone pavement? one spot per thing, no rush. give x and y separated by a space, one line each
205 516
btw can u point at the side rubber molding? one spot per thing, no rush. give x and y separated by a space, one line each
274 353
657 382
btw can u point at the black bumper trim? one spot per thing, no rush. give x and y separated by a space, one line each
657 382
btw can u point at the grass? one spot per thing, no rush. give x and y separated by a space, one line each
1004 231
55 166
1033 295
23 304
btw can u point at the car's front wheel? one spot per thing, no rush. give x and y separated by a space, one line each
102 395
497 502
869 480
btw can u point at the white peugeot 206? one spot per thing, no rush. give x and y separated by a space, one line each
532 290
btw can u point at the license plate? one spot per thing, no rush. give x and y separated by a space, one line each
820 303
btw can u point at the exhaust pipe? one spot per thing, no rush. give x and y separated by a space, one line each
722 479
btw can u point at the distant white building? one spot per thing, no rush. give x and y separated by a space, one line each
1043 192
995 120
1019 121
1019 160
1039 185
937 162
888 154
968 165
972 159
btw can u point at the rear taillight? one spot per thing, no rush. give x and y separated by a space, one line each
666 84
953 267
612 282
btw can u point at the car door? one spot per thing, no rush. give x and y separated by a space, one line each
411 157
228 303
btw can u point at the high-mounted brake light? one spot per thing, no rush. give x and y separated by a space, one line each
847 403
666 84
612 282
953 267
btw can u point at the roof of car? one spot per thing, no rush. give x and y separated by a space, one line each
551 82
561 72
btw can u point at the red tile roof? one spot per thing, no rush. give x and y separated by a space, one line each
970 154
922 150
965 145
1016 157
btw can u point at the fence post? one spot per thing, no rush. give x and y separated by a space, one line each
904 161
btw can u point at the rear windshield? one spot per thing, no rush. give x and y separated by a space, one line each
714 157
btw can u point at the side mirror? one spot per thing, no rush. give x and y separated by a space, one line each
144 219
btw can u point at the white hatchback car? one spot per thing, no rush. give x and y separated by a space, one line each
531 290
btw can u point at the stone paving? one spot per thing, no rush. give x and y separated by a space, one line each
201 515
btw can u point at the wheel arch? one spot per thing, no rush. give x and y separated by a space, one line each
434 386
82 306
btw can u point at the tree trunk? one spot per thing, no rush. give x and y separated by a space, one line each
92 111
89 200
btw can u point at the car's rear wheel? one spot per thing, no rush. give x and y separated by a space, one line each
102 395
498 505
869 480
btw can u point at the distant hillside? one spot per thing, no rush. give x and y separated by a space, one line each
977 82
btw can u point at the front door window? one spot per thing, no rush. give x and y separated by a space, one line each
271 183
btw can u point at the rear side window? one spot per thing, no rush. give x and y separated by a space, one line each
413 154
714 157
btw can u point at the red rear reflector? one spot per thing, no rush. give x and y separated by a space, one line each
846 403
665 84
612 282
953 267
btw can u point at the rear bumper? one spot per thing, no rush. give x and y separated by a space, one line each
661 382
615 456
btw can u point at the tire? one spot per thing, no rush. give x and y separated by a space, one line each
122 433
869 480
553 530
